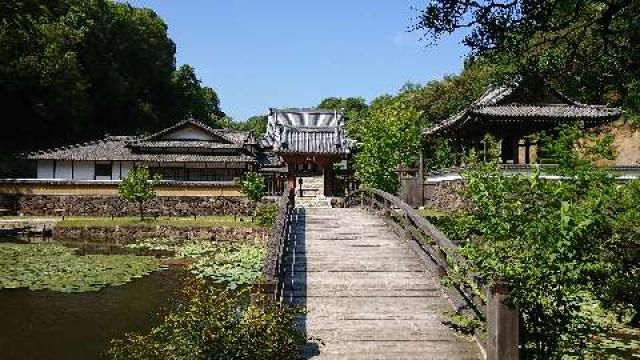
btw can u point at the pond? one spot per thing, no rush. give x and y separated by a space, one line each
52 325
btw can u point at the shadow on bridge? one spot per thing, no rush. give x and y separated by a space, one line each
295 288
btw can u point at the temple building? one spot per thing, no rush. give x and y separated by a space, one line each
513 111
304 150
313 147
187 151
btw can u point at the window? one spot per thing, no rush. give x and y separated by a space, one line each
103 170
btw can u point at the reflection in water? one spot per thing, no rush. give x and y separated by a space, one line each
51 325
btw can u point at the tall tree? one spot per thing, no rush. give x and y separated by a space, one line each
389 136
256 124
587 47
72 70
192 98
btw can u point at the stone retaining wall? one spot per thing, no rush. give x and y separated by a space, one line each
445 196
123 235
48 205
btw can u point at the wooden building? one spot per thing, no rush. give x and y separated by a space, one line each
512 111
188 151
311 144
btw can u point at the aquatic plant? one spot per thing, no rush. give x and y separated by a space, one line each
59 268
229 264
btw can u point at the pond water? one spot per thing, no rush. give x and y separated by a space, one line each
51 325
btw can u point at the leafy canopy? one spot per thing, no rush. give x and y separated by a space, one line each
588 48
76 69
389 136
215 324
563 245
138 186
252 184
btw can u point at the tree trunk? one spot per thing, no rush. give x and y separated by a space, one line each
635 320
141 211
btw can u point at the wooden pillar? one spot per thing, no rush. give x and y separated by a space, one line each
421 176
503 328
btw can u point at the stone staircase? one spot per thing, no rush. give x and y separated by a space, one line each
312 193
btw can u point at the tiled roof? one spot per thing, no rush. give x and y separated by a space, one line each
230 135
294 118
313 141
182 144
549 111
501 103
317 131
116 149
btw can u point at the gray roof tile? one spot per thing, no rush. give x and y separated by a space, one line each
500 103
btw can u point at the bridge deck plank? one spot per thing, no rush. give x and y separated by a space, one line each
367 295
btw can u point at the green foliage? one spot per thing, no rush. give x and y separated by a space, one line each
214 324
389 136
586 47
58 268
76 69
266 214
198 101
256 124
138 186
440 99
461 323
252 184
559 243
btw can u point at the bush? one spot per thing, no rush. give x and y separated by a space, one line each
266 214
562 245
252 184
216 324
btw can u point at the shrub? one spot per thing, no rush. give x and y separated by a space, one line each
266 214
252 184
216 324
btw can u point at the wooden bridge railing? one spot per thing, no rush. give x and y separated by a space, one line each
471 297
271 282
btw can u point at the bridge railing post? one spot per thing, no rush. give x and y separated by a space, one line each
503 327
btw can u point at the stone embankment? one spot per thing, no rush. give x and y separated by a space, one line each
73 205
123 235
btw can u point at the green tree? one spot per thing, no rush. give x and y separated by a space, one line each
75 69
389 136
138 187
585 47
253 186
440 99
561 244
217 324
199 101
255 124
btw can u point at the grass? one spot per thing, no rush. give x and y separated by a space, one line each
426 212
200 221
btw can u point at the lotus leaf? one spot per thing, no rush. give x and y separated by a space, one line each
233 265
58 268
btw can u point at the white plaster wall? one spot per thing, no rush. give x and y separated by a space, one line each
126 166
63 170
45 169
115 170
83 170
188 133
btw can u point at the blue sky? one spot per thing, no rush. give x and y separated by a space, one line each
285 53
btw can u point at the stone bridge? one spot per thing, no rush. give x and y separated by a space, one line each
367 293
